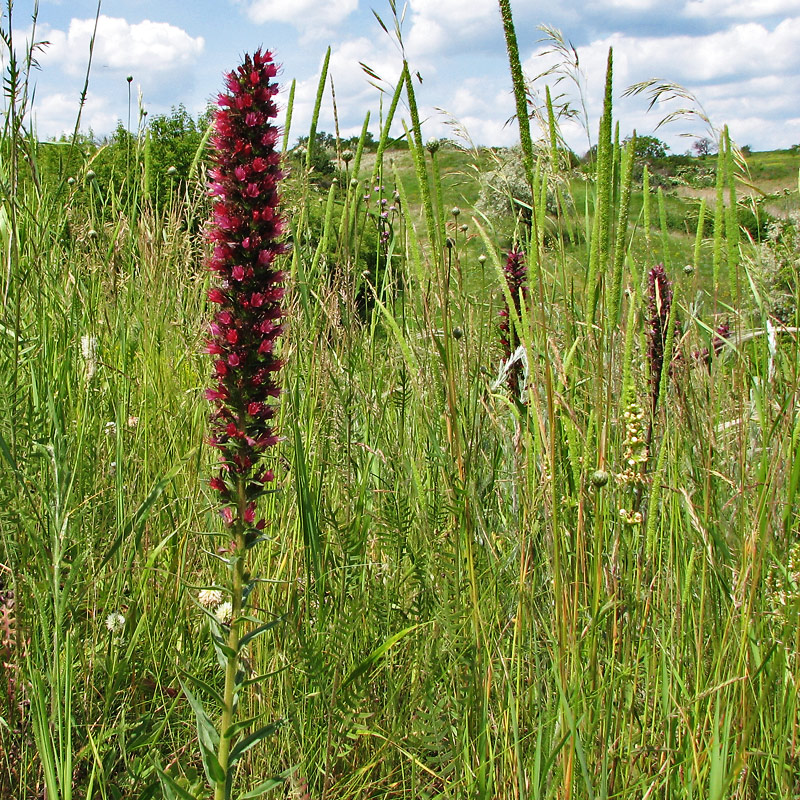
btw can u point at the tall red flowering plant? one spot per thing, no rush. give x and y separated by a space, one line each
244 231
244 234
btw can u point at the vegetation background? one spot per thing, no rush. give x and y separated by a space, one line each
586 584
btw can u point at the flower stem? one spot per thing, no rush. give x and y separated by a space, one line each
232 667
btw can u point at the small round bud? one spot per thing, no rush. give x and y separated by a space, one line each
433 145
599 478
70 181
172 171
455 211
354 181
688 269
457 333
129 79
463 228
347 156
483 370
482 258
92 234
90 175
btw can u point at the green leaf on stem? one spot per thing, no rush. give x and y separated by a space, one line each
256 632
207 736
171 789
252 740
272 783
201 684
238 727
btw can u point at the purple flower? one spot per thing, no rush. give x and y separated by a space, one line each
660 303
516 272
245 231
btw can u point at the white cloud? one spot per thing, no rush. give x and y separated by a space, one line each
727 71
354 93
733 53
440 26
630 5
307 15
742 9
55 114
122 46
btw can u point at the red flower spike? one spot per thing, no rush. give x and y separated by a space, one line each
243 231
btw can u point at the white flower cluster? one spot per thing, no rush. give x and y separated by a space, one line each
89 353
212 598
635 452
115 623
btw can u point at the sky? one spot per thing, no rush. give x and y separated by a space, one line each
739 61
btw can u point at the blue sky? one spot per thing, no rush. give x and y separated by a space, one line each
740 58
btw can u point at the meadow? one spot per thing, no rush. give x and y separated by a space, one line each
571 573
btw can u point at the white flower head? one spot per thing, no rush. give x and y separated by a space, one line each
89 347
89 353
224 612
115 622
209 597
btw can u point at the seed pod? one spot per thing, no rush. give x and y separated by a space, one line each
599 478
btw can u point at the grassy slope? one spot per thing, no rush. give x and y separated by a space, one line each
771 175
463 612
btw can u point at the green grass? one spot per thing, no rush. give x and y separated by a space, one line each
463 611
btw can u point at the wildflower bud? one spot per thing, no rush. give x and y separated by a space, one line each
172 171
70 181
92 234
129 79
599 478
90 175
433 145
455 211
482 258
457 333
463 228
688 269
